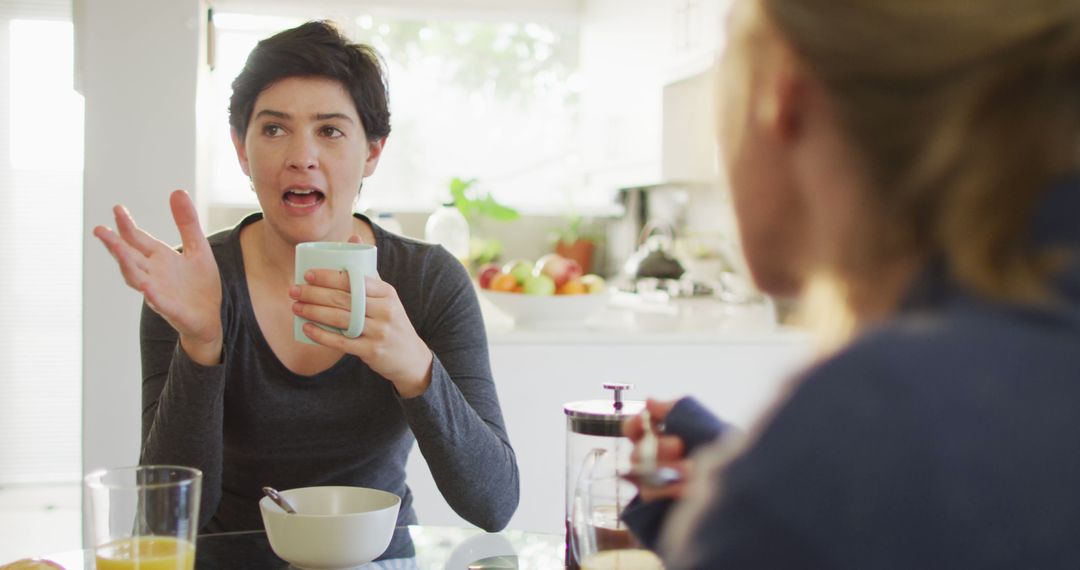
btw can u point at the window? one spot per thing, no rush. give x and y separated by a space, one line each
40 246
487 99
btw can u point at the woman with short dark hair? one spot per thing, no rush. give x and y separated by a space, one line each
228 390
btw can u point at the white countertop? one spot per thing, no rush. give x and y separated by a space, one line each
693 321
594 336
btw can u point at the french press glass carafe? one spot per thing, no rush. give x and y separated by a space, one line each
596 453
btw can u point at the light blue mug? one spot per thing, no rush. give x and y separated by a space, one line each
355 259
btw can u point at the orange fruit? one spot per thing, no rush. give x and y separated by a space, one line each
503 282
572 287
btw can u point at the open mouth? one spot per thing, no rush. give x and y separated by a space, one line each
303 197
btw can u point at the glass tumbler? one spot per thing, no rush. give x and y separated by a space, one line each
144 517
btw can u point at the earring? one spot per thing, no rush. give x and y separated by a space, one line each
251 183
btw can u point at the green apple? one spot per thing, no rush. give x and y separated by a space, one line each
521 269
593 283
539 285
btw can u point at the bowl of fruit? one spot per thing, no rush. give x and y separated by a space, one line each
550 292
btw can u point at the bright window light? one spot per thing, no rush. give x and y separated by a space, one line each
41 253
492 100
46 112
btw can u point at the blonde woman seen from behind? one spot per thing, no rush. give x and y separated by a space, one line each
921 160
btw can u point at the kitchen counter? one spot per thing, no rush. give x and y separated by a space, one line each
628 319
513 336
732 358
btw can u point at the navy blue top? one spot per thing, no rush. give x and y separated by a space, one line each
947 437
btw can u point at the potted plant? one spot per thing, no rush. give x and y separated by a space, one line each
577 243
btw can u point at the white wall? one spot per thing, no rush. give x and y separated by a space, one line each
139 61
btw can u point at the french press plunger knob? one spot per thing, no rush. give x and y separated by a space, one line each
618 389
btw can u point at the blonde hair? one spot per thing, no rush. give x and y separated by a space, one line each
962 111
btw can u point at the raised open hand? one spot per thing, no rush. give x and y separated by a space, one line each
183 287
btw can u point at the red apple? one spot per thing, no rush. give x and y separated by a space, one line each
558 268
489 270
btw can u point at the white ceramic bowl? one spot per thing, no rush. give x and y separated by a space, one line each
546 310
334 528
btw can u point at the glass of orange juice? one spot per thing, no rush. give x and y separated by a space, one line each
144 517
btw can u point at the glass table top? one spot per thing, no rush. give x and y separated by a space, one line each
449 548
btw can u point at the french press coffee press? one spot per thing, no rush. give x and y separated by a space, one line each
596 453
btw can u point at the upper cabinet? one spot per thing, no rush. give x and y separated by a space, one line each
623 58
695 32
644 67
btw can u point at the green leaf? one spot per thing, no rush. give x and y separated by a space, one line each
496 211
459 186
458 189
471 206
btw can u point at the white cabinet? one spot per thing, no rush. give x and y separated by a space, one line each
695 32
736 376
622 62
631 50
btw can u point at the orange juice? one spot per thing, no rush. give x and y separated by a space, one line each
146 553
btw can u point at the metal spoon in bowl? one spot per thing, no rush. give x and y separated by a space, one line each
277 498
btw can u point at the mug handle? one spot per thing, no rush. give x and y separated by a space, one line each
359 302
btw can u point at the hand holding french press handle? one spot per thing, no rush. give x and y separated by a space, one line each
660 465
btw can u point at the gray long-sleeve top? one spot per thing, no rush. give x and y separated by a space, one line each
250 422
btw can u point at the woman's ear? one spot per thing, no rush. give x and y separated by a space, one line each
375 149
782 108
241 152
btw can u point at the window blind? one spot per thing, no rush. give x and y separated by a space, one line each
41 134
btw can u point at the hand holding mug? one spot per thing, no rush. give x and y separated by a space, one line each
670 451
184 287
384 339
